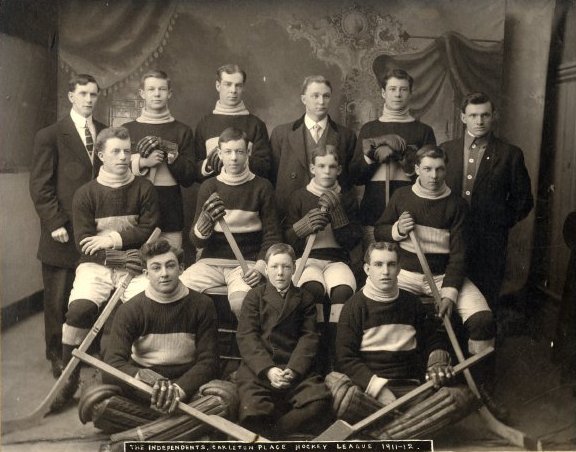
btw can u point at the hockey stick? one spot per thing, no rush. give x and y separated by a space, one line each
305 255
341 430
513 436
232 242
224 425
38 414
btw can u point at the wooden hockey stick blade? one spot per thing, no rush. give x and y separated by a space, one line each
510 434
219 423
305 255
342 430
43 409
232 242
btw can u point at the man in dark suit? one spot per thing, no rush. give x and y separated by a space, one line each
63 160
293 143
491 175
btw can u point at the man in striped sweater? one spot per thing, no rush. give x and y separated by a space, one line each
247 200
386 345
113 216
436 215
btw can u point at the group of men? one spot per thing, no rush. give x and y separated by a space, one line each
100 192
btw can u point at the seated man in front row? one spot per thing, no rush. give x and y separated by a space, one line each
165 336
247 201
383 334
279 392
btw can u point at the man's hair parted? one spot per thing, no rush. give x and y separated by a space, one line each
315 79
280 248
477 98
158 247
108 133
322 151
432 151
231 69
81 79
388 246
155 73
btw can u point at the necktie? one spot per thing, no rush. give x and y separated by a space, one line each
89 141
317 132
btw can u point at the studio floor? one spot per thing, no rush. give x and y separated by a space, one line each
529 385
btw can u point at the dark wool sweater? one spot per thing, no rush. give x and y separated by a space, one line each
374 200
130 210
250 214
439 228
391 340
211 126
331 244
178 339
183 169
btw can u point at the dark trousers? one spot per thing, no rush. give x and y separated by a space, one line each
58 283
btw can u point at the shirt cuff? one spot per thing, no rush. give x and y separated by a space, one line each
116 240
135 163
205 172
449 292
375 385
369 160
396 233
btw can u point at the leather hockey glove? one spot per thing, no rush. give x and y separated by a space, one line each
213 162
129 260
330 202
315 220
384 148
148 144
212 210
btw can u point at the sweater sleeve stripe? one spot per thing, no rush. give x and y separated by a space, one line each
163 349
392 338
432 240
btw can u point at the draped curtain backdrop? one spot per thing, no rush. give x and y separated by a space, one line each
113 40
466 65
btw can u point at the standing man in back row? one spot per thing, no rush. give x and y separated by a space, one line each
491 176
230 111
293 143
388 145
163 152
63 160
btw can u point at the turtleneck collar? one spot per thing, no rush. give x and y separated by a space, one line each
148 117
422 192
238 179
239 109
114 180
396 116
318 190
372 292
180 292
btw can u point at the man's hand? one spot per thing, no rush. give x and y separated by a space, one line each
147 145
289 375
405 223
439 374
315 220
277 378
153 160
445 307
212 210
252 278
95 243
213 162
385 396
165 396
61 235
130 260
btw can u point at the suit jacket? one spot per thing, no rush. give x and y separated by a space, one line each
277 332
502 194
290 168
60 165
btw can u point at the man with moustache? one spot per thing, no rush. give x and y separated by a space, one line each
63 160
